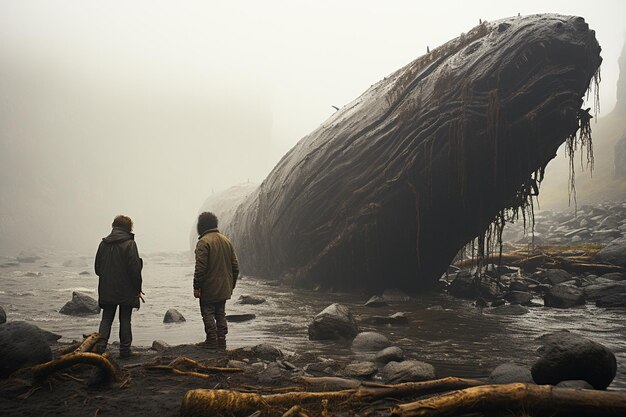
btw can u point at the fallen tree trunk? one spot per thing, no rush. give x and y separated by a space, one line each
204 402
396 182
529 398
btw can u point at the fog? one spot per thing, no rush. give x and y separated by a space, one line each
145 108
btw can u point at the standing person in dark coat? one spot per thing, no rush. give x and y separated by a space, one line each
119 267
214 279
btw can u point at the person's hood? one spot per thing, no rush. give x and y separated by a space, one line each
118 235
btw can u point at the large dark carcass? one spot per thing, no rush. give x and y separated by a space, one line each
386 192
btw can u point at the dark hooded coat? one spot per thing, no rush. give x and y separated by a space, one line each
119 267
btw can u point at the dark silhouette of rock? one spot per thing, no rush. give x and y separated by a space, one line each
80 305
395 295
407 371
250 299
518 297
612 300
564 296
436 149
391 353
22 344
334 322
510 372
568 356
173 316
602 289
557 276
3 316
370 342
238 318
394 319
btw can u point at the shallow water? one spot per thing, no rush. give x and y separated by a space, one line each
457 338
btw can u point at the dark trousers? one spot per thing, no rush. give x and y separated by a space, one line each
214 318
126 334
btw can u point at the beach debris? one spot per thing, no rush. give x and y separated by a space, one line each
517 396
206 402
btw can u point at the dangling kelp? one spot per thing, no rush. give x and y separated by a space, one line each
388 190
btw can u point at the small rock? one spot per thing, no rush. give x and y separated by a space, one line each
22 344
480 302
510 372
376 301
407 371
369 342
236 364
564 296
498 303
173 316
160 345
266 352
238 318
391 353
81 304
396 318
84 273
250 299
577 383
568 356
271 375
360 369
3 315
518 286
332 323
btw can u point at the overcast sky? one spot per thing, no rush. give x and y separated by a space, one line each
147 107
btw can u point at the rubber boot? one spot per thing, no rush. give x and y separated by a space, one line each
209 343
221 343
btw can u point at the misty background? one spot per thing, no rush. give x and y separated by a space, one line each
146 108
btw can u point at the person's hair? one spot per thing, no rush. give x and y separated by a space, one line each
206 221
123 222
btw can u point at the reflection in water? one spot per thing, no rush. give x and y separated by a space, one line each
457 338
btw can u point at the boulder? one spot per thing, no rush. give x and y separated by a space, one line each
238 318
360 369
376 301
80 305
3 315
518 297
271 375
602 289
568 356
518 286
612 300
463 286
22 344
564 296
369 342
173 316
250 299
613 253
391 353
556 276
407 371
160 345
510 372
332 323
266 352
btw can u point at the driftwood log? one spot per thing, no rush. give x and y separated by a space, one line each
532 399
397 181
205 402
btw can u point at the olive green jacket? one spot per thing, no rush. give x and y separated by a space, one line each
217 267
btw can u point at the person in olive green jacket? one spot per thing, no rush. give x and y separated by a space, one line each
214 279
